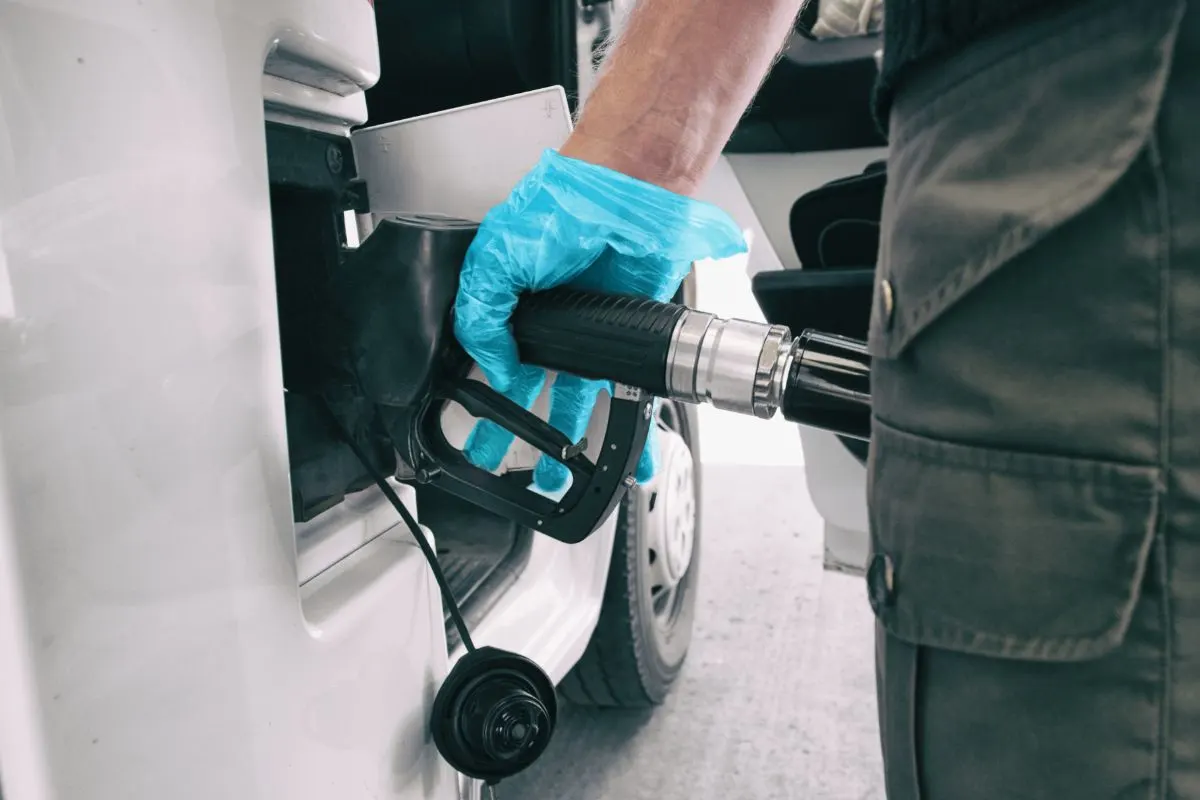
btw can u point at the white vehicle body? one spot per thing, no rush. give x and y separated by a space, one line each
166 629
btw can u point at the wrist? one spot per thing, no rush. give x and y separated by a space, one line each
658 157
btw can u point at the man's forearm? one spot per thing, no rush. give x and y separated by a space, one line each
674 87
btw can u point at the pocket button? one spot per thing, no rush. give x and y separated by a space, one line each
887 301
881 581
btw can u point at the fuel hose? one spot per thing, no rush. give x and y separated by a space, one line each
816 379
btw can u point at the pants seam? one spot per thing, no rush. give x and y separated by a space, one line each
1163 765
914 719
1163 220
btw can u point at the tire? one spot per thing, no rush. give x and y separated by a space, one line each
635 656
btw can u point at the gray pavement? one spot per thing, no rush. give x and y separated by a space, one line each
777 699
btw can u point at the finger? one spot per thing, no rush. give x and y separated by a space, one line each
482 308
648 464
656 279
488 441
571 402
549 476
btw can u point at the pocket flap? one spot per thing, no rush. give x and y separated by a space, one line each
981 168
1006 554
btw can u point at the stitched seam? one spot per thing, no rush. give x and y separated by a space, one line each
970 640
914 718
1163 211
1102 475
1119 482
1168 651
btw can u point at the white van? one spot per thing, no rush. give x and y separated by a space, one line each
176 620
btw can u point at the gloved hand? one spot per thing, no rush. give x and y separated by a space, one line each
573 222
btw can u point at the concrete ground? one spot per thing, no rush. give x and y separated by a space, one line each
776 701
777 697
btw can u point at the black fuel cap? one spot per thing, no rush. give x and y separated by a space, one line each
494 715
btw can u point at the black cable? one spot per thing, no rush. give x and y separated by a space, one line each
390 494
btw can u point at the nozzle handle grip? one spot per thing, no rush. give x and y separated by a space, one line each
621 338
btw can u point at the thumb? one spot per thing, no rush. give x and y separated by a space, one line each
482 308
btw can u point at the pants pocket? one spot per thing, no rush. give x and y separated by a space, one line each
1002 583
1003 553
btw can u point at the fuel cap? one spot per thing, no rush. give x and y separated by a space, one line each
494 714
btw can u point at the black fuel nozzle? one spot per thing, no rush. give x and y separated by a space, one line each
815 379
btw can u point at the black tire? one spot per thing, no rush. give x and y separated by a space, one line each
632 660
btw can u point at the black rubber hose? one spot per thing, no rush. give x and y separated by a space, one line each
603 336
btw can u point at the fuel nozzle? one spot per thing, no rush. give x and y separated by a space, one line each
753 368
816 379
828 384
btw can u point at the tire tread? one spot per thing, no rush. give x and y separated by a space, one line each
613 658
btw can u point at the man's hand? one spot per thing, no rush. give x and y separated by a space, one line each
571 222
611 210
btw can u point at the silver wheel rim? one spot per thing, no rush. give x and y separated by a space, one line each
666 514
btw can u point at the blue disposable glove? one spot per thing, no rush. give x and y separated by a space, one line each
573 222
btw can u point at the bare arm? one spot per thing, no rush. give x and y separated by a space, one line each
672 91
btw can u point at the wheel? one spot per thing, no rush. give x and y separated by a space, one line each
645 626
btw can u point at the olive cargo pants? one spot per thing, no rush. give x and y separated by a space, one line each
1034 476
